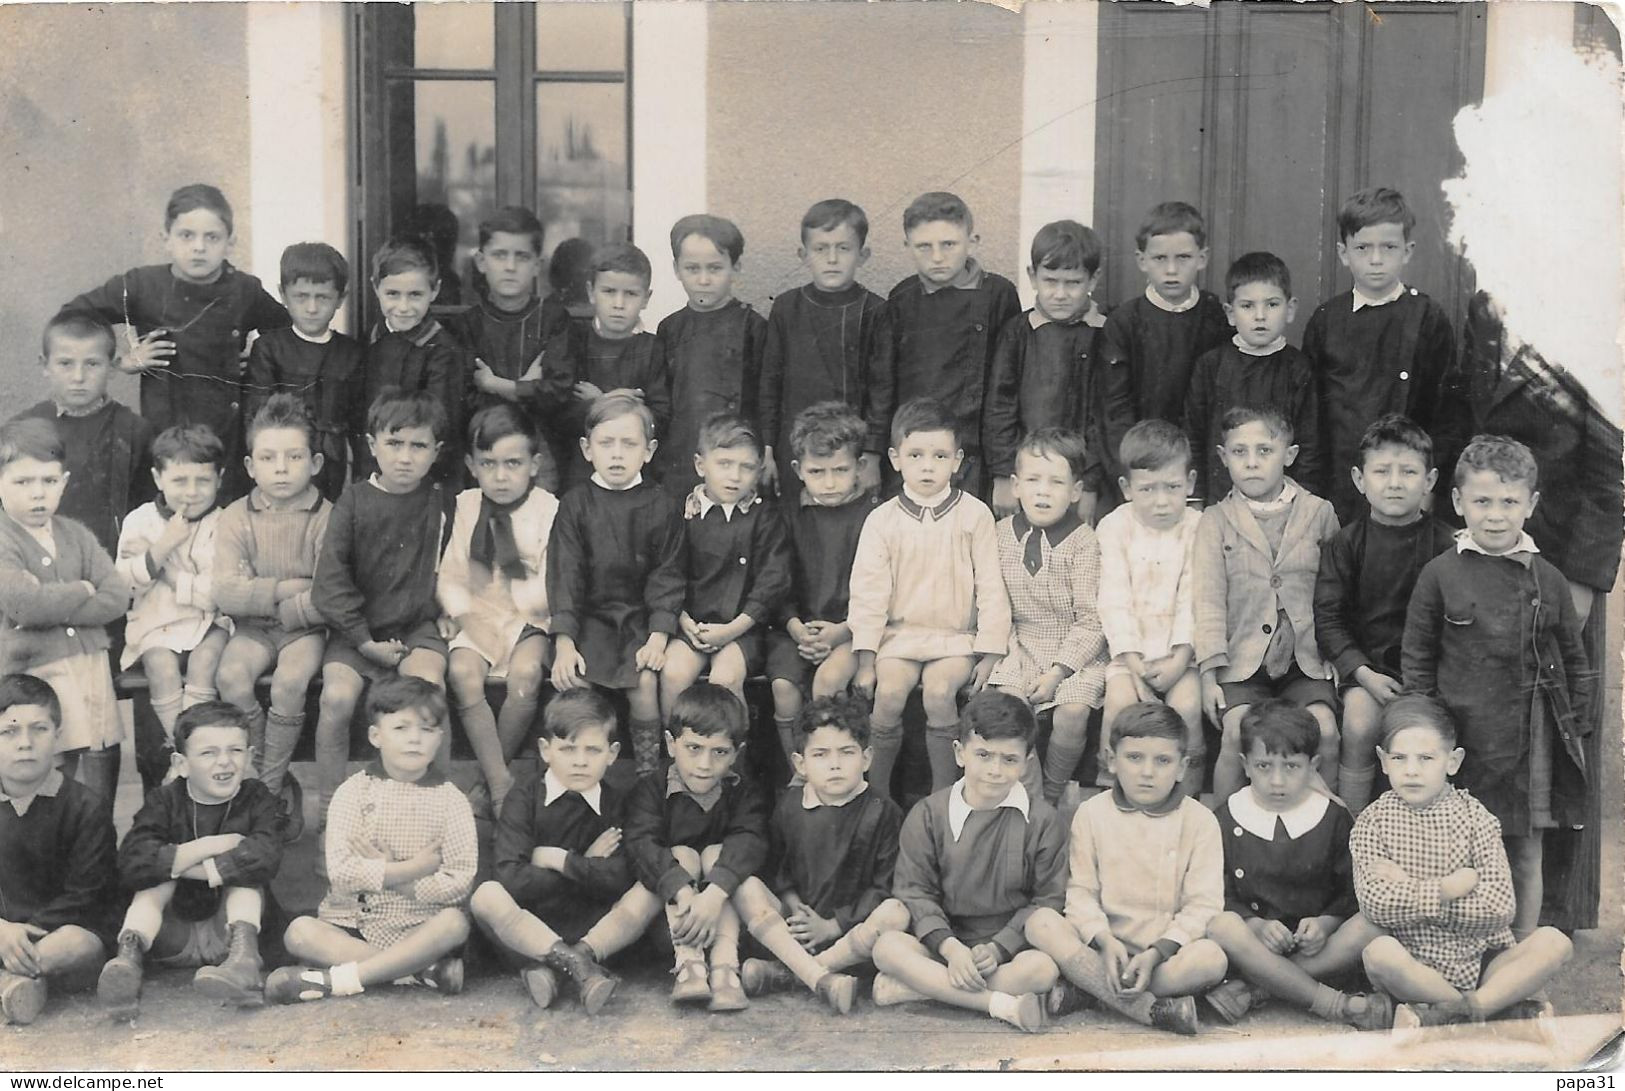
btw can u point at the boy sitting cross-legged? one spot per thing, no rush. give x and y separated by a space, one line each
695 830
401 852
200 858
559 864
1146 878
836 846
56 852
976 862
1290 919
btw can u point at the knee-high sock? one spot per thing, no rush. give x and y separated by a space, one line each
244 904
939 747
1060 761
98 771
771 932
626 920
480 725
256 730
858 945
514 722
683 952
145 915
281 738
1195 771
1087 970
886 742
332 755
192 694
1354 784
725 947
646 744
167 708
521 932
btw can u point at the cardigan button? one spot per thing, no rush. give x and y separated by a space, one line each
1275 581
1267 629
1404 375
1237 831
741 560
69 630
1240 873
46 561
1255 906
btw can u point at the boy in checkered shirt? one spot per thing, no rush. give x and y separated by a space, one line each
1429 867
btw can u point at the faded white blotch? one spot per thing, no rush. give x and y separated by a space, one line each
1537 210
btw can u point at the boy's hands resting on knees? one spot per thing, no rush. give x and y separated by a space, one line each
697 915
1273 934
17 951
1382 687
386 653
1161 674
1115 956
810 930
447 627
863 682
1313 932
964 970
569 669
1043 690
1213 697
652 656
1137 974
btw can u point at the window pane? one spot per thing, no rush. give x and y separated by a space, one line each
454 35
580 37
450 127
581 174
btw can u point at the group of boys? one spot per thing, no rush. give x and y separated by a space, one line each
979 898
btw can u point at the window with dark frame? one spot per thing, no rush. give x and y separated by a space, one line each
465 108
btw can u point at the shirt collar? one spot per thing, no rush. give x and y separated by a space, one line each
49 788
419 334
675 785
1363 300
431 777
700 504
74 414
637 328
959 810
327 335
309 500
967 279
1156 810
598 480
554 788
1245 809
1289 493
1173 308
811 802
807 500
1038 319
1268 350
1054 534
1521 552
915 508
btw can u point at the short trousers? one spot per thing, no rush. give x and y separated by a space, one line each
1294 686
424 636
784 660
205 942
270 634
498 669
750 644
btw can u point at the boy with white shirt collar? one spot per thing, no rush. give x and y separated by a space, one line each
1291 920
976 862
559 865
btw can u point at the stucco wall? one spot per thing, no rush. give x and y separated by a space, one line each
106 110
874 102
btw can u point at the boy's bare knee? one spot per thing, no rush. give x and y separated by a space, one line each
488 898
1207 959
299 935
1226 928
892 948
1382 957
525 681
890 915
1554 947
1044 927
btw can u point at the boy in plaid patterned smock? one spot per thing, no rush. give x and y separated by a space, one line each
1429 866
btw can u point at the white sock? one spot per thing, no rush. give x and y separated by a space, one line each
1003 1006
144 919
345 979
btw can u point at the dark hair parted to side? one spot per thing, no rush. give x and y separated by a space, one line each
1283 727
613 404
723 234
406 254
843 713
1273 420
922 415
994 714
1152 445
193 197
937 206
498 422
316 262
1148 720
395 692
25 689
568 712
708 709
823 428
195 443
1171 218
1060 443
727 430
29 438
623 258
208 714
394 409
1503 456
1257 267
282 411
1418 710
81 325
513 220
1369 207
1067 244
1397 430
832 213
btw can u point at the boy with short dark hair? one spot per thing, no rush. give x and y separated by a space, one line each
60 913
1381 347
1256 556
311 360
812 647
1146 878
1367 572
829 340
1150 343
506 331
928 604
944 323
836 846
1045 373
199 859
1257 367
375 581
401 850
1290 921
738 565
713 345
105 444
976 862
695 831
559 864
